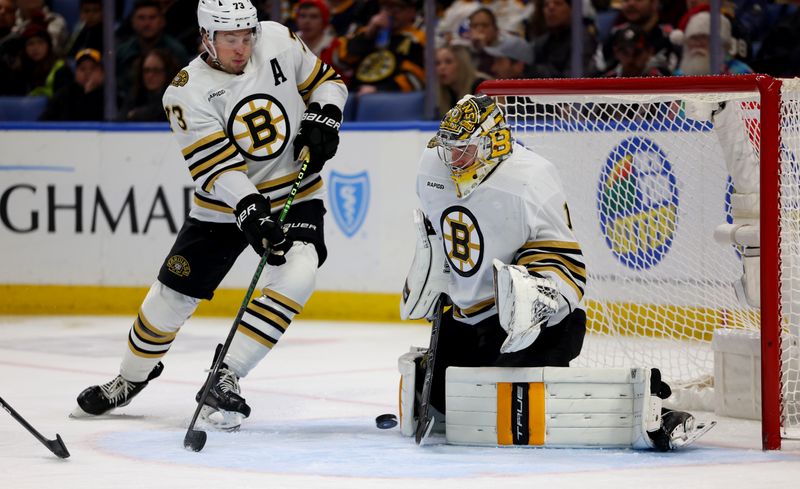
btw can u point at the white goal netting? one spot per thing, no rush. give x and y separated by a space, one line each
647 184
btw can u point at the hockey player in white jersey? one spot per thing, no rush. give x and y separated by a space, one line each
241 113
499 209
496 237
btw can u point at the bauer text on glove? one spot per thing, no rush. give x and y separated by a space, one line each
319 130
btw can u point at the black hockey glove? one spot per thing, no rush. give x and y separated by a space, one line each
252 217
319 130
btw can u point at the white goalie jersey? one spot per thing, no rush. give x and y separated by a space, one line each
247 123
517 215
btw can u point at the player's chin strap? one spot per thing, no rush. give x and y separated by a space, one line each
210 49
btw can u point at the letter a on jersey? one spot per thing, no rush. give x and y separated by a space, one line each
277 72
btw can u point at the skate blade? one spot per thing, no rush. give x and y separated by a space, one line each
687 438
79 413
220 420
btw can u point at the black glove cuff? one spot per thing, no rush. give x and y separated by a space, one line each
251 206
329 116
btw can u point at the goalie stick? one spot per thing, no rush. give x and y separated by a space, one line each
56 446
195 439
425 420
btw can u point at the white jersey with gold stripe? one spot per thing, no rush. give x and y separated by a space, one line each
247 122
518 215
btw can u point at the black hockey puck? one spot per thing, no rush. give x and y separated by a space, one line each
386 421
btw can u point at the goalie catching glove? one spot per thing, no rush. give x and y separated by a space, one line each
524 304
319 130
429 273
253 218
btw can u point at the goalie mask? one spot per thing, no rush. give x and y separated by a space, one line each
473 138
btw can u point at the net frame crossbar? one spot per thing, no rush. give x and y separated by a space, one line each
769 90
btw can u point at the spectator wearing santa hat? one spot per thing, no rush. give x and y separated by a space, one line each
741 35
696 41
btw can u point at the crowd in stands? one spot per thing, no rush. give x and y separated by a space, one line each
379 45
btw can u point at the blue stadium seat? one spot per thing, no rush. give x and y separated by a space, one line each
69 9
391 106
20 109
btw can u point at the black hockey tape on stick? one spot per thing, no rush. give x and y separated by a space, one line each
56 446
425 421
195 440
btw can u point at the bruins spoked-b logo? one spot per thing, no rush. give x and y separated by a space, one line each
259 127
463 240
376 66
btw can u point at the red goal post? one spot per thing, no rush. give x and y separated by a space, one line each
583 117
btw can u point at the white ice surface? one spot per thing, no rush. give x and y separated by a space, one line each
314 400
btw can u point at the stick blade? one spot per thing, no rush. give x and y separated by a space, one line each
194 440
424 428
58 447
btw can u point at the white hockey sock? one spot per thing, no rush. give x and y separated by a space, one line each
287 289
161 315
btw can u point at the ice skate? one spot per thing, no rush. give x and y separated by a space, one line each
678 430
100 399
224 408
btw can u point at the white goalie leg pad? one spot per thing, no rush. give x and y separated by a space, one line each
551 407
161 315
524 304
406 364
286 290
429 273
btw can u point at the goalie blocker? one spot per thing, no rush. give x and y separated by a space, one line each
429 273
555 407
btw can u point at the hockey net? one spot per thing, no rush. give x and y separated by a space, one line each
647 178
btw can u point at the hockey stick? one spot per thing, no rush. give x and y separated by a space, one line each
195 439
425 420
56 446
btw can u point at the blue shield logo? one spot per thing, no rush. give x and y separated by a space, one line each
349 197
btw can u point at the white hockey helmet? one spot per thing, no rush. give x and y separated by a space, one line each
226 15
474 129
